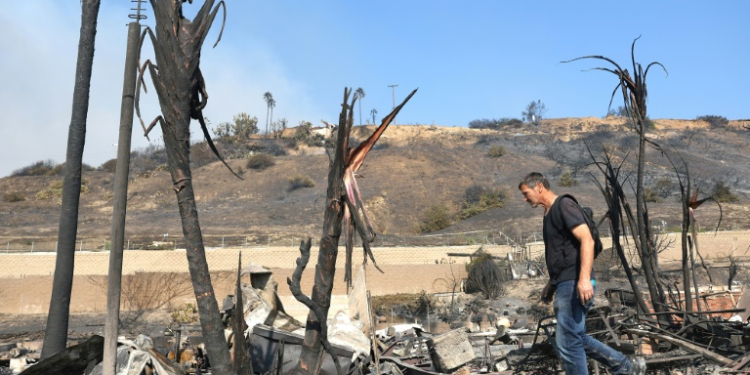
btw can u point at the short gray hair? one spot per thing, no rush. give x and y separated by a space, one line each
532 179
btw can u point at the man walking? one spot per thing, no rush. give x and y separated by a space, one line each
569 253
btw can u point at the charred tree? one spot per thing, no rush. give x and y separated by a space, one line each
182 95
343 206
634 94
613 195
56 333
690 203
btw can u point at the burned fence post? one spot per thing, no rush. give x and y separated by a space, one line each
243 364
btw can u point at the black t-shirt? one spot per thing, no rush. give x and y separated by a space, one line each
561 249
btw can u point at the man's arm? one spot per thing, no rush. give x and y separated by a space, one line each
548 292
585 289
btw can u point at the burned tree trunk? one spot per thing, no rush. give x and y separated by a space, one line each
56 333
312 353
342 200
182 95
686 268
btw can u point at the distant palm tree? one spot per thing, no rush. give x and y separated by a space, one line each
373 112
268 98
360 93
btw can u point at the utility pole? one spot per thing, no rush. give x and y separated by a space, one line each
122 171
393 90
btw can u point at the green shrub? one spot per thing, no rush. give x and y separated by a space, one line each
260 161
201 154
59 169
185 313
300 181
39 168
54 190
14 197
714 121
484 275
496 151
652 195
664 186
242 127
494 123
567 180
723 194
109 166
478 198
434 218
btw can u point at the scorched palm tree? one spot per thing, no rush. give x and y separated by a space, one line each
182 95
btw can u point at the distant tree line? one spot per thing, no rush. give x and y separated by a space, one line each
494 124
46 168
534 113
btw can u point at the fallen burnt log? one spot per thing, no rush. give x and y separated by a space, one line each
73 360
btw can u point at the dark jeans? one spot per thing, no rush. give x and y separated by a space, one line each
573 344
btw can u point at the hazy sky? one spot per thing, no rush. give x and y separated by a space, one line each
470 59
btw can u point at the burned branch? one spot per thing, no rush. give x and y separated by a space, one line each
614 196
318 310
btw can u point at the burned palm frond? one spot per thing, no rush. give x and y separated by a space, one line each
177 52
634 91
353 219
634 95
181 89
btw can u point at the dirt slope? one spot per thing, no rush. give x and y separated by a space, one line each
410 169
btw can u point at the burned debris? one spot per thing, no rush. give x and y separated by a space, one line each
685 327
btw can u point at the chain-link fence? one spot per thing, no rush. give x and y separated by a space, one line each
155 269
169 241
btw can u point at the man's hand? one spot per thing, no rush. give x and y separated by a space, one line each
548 292
585 291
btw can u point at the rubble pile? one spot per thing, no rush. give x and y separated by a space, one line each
714 340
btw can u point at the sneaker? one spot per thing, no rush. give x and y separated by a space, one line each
638 366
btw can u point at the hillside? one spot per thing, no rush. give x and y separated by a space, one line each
411 169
